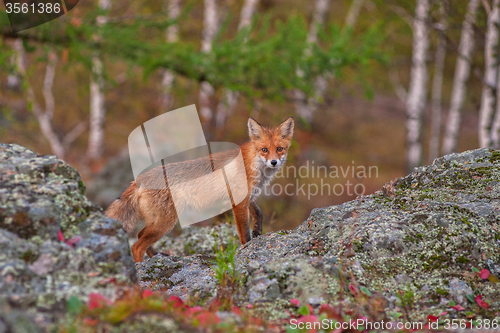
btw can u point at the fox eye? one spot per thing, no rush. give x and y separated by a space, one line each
264 150
280 149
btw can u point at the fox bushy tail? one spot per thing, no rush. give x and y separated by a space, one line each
125 209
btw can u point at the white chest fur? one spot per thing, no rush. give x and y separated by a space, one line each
263 177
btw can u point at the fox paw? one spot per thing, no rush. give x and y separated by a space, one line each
256 233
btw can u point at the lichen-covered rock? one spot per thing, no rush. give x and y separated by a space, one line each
422 233
53 242
181 276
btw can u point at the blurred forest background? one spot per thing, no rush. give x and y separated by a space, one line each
391 84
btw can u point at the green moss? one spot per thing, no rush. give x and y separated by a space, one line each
495 156
462 260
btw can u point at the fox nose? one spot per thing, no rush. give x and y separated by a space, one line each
274 162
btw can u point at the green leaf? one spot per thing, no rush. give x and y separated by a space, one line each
304 310
470 298
365 291
74 304
452 303
493 279
475 270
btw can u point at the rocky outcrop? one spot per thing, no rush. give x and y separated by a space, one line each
412 247
53 242
421 234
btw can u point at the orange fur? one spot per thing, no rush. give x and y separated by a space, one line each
262 156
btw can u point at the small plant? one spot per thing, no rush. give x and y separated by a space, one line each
224 266
407 298
225 271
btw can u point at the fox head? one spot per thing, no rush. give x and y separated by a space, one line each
271 144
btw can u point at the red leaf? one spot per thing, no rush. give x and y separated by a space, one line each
308 319
60 235
147 293
207 318
90 321
295 302
236 310
481 303
249 306
176 300
484 273
72 241
458 307
354 289
432 318
330 311
195 309
97 301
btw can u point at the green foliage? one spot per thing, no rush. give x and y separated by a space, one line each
265 60
74 305
224 265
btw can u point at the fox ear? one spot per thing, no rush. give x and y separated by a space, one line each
285 129
255 131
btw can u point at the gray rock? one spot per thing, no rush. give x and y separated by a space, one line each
419 232
41 196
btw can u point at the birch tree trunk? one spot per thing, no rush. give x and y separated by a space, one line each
353 13
304 106
172 36
44 117
210 27
462 72
437 85
490 79
495 127
417 92
97 109
230 98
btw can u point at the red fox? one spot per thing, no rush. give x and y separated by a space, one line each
262 156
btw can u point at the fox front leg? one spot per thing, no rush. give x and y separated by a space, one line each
257 218
241 218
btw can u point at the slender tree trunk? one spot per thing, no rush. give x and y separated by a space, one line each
97 99
417 92
353 13
495 127
230 98
172 36
490 75
462 72
437 85
44 117
489 128
304 106
210 27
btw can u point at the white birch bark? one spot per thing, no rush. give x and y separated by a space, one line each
488 100
172 36
230 98
495 127
44 117
210 27
437 85
304 106
97 99
353 13
462 72
417 92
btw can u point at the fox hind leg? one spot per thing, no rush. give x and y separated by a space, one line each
150 234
